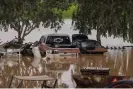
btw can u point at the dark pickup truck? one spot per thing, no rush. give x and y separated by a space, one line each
87 46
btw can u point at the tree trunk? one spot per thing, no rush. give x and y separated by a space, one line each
20 40
98 36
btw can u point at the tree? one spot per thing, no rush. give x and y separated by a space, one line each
26 15
106 16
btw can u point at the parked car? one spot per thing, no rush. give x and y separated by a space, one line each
90 46
86 45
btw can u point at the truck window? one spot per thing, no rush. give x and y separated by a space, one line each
88 43
58 40
79 37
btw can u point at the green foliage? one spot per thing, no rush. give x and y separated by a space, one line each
114 17
67 14
26 15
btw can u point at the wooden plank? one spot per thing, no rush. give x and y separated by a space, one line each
34 78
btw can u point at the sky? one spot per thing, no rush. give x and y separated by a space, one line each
66 29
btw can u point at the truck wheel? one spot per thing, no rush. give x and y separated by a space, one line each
122 84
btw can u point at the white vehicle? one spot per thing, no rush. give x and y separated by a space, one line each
60 42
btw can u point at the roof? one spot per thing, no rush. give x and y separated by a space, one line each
80 34
85 40
57 34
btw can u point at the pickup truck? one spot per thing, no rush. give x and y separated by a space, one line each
60 42
86 45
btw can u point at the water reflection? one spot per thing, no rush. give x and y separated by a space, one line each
119 61
37 57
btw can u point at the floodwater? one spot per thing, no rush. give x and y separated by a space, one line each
119 61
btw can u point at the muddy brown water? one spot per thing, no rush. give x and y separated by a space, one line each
120 63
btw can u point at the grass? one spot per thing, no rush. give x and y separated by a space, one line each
69 12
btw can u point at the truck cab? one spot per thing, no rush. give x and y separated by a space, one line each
56 40
87 46
60 42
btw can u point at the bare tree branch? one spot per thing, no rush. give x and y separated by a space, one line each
31 28
13 26
24 31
